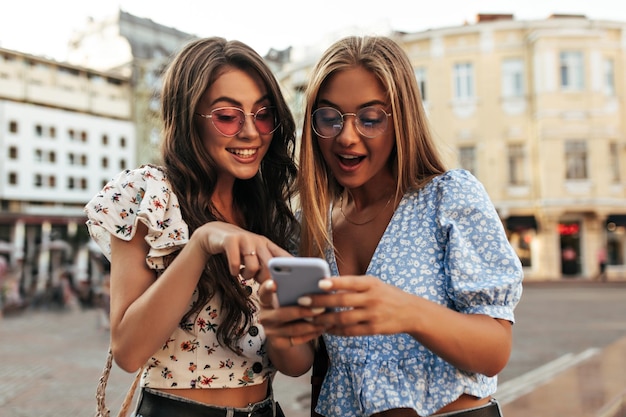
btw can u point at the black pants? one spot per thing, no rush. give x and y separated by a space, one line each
156 404
491 409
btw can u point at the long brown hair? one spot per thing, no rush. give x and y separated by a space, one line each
416 159
264 200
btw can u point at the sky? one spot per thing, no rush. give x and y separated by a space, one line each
42 27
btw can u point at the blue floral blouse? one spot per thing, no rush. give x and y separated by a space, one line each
445 243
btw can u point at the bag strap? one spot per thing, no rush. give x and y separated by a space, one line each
102 410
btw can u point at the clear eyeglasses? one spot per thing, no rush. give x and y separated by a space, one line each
370 121
229 121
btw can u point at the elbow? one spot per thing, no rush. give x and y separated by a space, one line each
294 372
494 366
493 371
126 361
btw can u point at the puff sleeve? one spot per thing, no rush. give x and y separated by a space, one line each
142 194
484 271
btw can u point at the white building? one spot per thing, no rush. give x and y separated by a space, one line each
64 132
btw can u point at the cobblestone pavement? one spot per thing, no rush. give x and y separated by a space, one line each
50 362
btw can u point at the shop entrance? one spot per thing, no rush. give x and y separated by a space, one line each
570 248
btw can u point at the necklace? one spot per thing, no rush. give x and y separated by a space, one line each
366 221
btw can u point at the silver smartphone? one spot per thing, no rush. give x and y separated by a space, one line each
297 276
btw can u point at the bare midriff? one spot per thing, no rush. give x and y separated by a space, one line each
464 402
224 397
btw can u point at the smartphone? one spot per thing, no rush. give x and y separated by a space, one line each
298 276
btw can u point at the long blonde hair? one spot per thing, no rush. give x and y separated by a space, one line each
416 159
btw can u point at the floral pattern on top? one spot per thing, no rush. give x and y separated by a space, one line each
445 243
192 357
142 194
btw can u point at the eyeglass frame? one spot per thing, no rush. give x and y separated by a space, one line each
356 125
245 116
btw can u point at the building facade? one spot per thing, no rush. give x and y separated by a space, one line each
138 48
535 109
64 132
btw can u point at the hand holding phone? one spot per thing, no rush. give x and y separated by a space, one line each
296 277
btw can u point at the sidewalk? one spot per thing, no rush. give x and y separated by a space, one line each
50 364
596 387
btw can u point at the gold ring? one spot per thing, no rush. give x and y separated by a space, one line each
253 253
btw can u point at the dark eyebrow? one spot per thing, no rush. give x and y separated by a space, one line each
329 103
236 103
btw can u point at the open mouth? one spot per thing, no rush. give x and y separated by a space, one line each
350 160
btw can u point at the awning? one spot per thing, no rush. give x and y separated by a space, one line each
618 219
521 222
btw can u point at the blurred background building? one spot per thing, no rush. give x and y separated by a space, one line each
535 109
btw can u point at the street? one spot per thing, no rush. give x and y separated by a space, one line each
50 362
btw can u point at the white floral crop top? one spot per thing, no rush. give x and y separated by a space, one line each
192 356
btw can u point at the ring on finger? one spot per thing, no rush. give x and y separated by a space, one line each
252 253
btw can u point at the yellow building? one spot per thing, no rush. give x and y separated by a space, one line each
535 109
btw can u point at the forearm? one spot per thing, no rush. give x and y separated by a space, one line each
292 361
471 342
145 322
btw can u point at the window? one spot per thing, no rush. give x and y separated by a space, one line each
83 136
122 164
52 157
70 183
38 180
122 142
105 162
52 181
83 160
53 132
38 130
609 77
467 158
614 162
38 155
420 76
105 140
463 81
513 78
13 126
516 164
572 73
13 152
576 160
13 178
70 159
71 134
